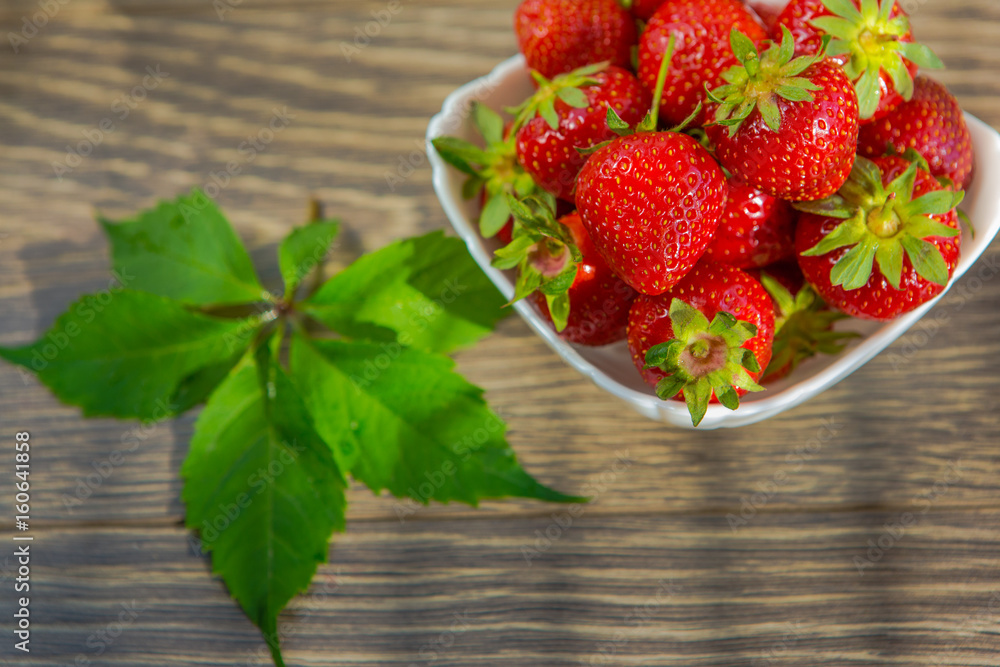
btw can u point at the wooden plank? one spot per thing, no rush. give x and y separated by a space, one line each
644 590
894 441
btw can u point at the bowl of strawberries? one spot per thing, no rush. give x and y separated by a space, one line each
717 210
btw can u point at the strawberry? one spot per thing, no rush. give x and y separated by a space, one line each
558 36
888 242
494 172
933 125
757 229
701 30
570 112
803 323
685 356
559 267
871 40
787 126
651 201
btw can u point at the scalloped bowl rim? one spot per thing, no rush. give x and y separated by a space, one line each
511 74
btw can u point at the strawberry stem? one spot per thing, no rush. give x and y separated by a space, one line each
661 81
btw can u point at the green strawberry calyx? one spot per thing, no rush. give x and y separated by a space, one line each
884 223
873 40
803 327
705 357
544 253
760 79
567 87
493 169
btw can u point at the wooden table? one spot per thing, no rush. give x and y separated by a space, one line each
652 573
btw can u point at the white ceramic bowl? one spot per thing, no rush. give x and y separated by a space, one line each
611 367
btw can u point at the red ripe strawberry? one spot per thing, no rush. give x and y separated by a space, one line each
684 355
701 30
757 229
933 125
558 36
651 201
886 244
570 112
598 299
871 40
787 126
803 323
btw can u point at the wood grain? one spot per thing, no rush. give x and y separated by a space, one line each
861 454
644 590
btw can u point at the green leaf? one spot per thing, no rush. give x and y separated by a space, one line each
845 9
125 354
922 227
868 93
890 262
769 110
574 97
686 320
263 490
414 426
427 289
938 202
835 26
920 55
496 214
185 250
489 123
303 250
511 254
833 206
926 259
845 234
794 94
743 47
616 124
855 268
697 395
559 309
460 154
